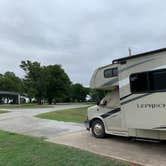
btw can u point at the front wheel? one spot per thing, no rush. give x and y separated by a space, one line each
98 129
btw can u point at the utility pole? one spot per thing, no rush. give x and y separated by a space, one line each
130 53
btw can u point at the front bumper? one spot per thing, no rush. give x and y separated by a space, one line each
87 124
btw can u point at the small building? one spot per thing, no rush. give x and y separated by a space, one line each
7 97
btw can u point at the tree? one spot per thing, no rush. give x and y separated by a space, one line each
35 84
58 84
78 92
10 82
46 82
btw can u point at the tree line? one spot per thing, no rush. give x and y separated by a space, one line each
45 83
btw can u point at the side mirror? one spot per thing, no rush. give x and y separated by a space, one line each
105 103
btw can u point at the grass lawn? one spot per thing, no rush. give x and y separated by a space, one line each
19 150
75 103
24 106
3 111
69 115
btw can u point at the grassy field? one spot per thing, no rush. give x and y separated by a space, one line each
75 103
37 106
24 106
70 115
3 111
19 150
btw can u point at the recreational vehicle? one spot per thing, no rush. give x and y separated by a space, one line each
136 104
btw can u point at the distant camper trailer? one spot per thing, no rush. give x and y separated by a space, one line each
136 106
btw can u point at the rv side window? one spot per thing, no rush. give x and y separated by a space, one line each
111 72
139 82
157 80
150 81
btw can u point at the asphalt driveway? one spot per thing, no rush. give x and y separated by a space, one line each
22 121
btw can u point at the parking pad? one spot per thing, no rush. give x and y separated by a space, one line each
120 148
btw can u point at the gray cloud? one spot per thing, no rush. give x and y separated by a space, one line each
79 34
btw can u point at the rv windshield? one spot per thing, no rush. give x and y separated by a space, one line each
112 99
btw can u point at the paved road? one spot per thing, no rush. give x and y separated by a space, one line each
23 121
142 153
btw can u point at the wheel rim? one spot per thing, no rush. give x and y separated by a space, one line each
98 129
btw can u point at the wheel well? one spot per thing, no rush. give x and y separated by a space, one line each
91 121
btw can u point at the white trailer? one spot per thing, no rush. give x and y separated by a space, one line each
136 106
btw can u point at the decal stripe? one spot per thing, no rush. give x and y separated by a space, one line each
136 64
113 81
110 113
162 127
135 98
124 81
122 98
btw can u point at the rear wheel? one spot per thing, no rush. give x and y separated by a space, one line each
98 129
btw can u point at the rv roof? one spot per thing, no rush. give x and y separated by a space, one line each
138 55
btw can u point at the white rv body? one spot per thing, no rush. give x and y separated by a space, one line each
137 105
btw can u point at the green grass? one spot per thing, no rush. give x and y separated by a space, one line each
75 103
24 106
69 115
3 111
19 150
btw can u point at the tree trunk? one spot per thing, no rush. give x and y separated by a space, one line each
50 101
30 99
39 101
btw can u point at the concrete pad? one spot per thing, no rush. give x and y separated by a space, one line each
22 121
137 152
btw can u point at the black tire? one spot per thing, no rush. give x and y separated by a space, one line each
98 129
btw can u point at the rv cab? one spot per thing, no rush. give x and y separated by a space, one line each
106 109
135 105
105 78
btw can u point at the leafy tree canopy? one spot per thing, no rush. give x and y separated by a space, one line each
78 92
10 82
58 83
45 82
34 81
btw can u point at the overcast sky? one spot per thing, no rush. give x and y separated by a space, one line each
81 35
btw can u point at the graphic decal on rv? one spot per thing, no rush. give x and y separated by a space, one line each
136 64
161 127
124 97
111 113
115 80
125 81
153 106
135 98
